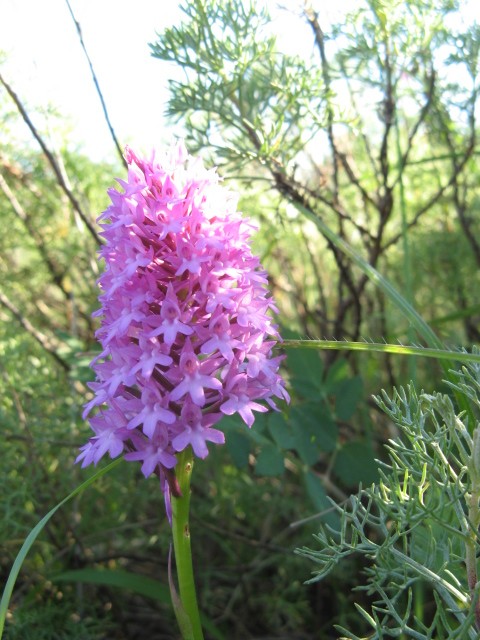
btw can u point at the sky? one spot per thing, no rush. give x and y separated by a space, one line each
46 65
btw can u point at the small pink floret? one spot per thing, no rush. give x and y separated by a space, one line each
186 331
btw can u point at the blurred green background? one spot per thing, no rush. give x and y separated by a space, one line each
375 132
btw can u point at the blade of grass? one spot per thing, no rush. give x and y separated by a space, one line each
415 319
380 347
407 265
142 585
32 536
376 277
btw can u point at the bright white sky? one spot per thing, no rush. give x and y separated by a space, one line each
46 64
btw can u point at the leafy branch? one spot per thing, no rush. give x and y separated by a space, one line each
419 523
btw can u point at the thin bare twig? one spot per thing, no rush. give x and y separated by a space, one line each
458 198
97 85
47 343
361 127
436 197
51 160
312 18
387 115
423 113
56 273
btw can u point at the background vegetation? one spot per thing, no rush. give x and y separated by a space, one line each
376 135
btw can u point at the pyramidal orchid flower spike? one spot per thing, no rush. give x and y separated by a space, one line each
186 331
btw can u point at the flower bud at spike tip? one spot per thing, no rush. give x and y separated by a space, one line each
186 331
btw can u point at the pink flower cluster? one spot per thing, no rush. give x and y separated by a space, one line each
185 330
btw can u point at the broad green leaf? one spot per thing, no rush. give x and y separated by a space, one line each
316 491
317 494
238 446
308 451
355 464
260 425
305 365
34 533
306 371
336 375
231 423
402 304
270 462
281 431
235 424
314 431
143 585
348 395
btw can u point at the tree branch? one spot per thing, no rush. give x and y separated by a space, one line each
312 18
428 205
460 201
423 113
97 86
51 160
49 345
56 273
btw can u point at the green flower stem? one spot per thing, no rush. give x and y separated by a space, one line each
183 553
471 549
471 543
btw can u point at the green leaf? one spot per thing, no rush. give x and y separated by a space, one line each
348 395
238 446
32 536
270 462
231 423
316 491
375 347
142 585
355 463
306 371
314 431
337 374
309 452
260 425
376 277
281 431
235 424
183 619
317 494
124 579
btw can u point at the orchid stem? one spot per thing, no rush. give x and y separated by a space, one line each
191 628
